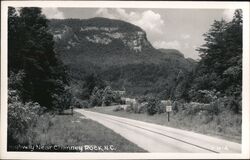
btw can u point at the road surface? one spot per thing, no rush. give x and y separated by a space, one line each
157 138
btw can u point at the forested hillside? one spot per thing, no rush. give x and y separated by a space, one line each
120 54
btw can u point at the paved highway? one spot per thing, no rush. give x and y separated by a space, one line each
157 138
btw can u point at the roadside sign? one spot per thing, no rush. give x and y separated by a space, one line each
168 108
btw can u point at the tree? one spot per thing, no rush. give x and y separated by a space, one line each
31 49
153 106
108 96
89 83
14 40
220 67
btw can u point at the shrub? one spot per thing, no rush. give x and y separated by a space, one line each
233 104
107 97
118 108
194 107
85 104
176 106
203 96
62 97
145 104
77 104
21 117
130 107
136 107
142 108
104 97
153 106
81 104
96 97
161 108
117 98
142 99
15 82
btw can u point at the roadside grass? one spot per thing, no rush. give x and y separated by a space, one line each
224 125
68 132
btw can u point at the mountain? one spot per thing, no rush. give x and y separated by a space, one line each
120 53
173 52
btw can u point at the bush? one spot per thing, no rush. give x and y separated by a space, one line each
96 97
107 97
146 104
203 96
142 108
117 98
176 106
130 107
136 107
118 108
85 104
142 99
21 117
161 108
194 107
104 97
62 97
153 106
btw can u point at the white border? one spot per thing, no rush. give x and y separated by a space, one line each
129 4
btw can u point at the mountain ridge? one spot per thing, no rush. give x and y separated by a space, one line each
102 45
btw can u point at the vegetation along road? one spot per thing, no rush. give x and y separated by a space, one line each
157 138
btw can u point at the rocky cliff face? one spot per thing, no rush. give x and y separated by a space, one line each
75 33
135 40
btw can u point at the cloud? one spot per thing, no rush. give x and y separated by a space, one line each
148 20
168 45
228 14
186 45
53 13
185 36
151 21
105 13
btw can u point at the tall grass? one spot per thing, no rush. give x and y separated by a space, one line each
74 130
225 124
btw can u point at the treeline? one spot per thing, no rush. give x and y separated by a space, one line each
37 79
164 80
218 75
96 92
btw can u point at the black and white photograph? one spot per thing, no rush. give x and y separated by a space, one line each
124 79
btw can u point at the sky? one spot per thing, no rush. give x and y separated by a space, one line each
180 29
